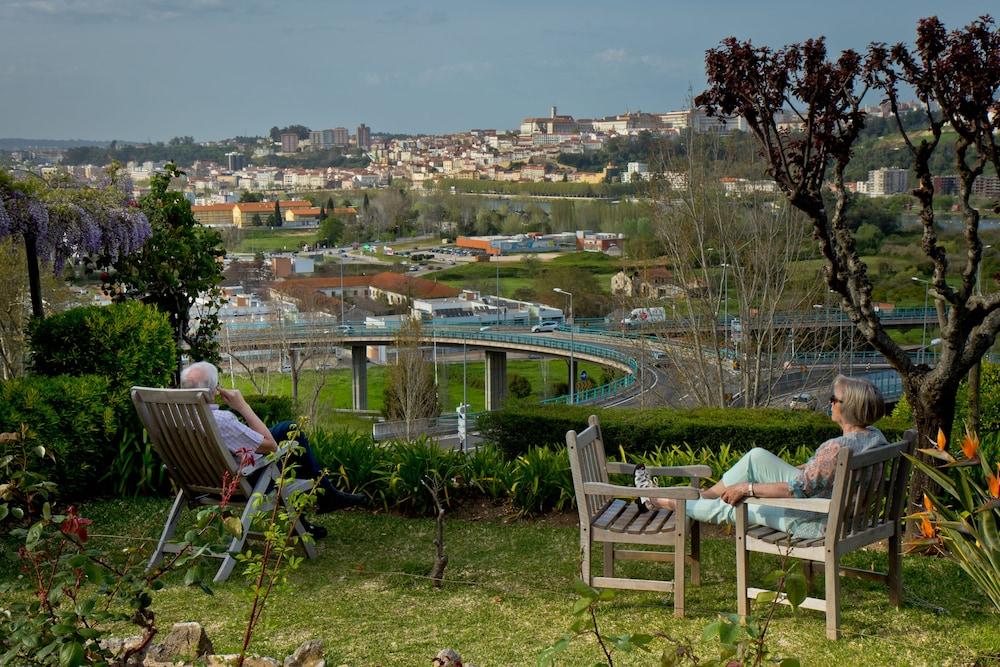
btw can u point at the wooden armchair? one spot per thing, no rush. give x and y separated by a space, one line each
185 436
606 518
866 506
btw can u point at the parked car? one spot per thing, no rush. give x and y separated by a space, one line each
804 401
545 327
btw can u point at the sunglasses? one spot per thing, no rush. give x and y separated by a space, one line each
834 399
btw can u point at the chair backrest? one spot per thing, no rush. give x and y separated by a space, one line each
186 437
589 464
869 489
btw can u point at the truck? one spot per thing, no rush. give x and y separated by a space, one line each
643 316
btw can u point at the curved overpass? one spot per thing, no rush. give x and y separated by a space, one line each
496 344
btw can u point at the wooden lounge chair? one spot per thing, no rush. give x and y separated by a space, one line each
186 437
606 518
866 507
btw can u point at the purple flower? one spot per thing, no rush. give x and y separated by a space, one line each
6 224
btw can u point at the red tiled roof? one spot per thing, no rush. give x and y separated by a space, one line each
325 282
268 206
418 288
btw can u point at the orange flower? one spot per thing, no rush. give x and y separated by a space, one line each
970 445
928 505
942 441
927 528
993 482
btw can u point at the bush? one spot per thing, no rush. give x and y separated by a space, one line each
516 429
417 460
130 342
542 481
519 386
355 462
71 418
273 409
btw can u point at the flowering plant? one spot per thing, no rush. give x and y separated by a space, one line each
962 520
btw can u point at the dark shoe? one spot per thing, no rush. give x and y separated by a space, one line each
335 499
318 532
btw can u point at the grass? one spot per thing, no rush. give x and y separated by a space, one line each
335 393
265 240
508 595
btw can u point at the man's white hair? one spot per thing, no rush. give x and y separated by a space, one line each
200 375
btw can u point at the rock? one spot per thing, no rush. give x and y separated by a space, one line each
447 657
309 654
185 641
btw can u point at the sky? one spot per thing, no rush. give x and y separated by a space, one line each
149 70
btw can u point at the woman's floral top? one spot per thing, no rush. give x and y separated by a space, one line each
816 477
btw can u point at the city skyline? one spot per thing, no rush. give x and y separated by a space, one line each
148 70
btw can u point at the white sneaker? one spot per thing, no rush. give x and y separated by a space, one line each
643 480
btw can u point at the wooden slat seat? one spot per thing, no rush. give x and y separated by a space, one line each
866 506
184 434
606 517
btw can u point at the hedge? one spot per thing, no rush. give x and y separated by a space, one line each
273 409
516 429
71 417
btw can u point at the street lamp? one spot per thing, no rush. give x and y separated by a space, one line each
725 305
497 258
572 360
923 316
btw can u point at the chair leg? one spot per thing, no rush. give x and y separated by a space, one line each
695 553
585 546
831 573
609 559
895 579
742 562
168 530
250 510
680 555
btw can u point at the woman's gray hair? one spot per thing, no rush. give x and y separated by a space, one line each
861 403
200 375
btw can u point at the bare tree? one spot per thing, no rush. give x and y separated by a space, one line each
410 393
722 243
956 78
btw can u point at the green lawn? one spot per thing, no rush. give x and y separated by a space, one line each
508 595
335 391
264 239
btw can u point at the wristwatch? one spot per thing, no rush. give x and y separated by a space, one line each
750 490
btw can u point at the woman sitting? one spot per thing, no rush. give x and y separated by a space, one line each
855 404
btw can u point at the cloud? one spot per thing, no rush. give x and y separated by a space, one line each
413 16
103 10
450 71
612 56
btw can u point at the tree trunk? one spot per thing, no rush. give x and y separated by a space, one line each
34 278
932 401
974 388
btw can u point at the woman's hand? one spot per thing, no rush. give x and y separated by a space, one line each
734 494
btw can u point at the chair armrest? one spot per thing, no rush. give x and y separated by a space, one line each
675 492
821 505
699 471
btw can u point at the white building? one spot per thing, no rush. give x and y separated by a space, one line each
887 181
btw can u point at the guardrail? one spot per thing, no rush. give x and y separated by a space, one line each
442 425
291 333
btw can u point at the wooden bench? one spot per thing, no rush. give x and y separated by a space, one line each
866 506
605 517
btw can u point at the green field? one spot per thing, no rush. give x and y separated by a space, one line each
332 388
271 240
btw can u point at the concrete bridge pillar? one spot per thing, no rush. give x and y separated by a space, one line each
496 379
359 386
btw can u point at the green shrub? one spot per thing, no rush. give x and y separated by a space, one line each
355 462
72 418
542 481
989 405
515 429
273 409
131 343
421 459
489 472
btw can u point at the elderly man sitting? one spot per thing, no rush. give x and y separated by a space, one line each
256 439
